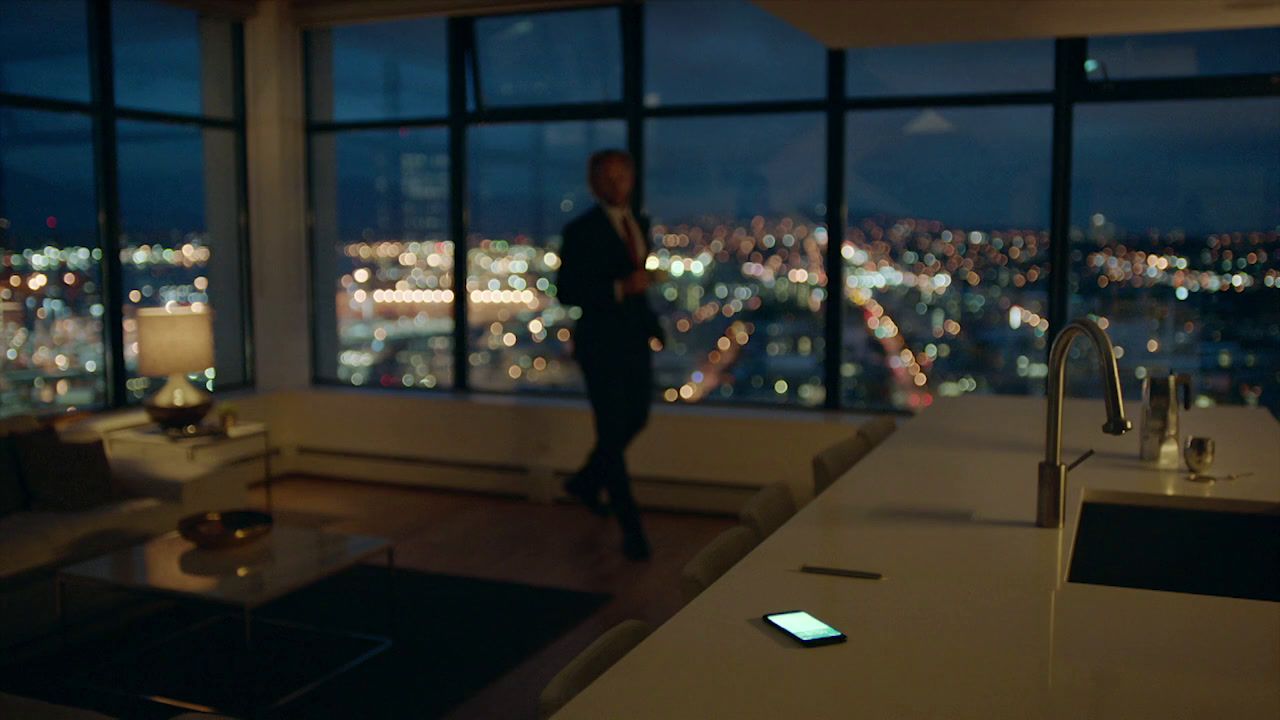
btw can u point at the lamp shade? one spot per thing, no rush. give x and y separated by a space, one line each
174 341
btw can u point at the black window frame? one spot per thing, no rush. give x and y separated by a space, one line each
103 113
1070 88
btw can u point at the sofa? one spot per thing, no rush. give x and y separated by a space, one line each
153 498
21 708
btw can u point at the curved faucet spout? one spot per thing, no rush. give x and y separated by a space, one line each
1116 423
1053 474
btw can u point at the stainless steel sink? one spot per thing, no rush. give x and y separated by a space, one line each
1188 545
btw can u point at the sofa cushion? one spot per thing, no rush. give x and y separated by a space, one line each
12 706
62 476
25 542
31 539
13 495
78 534
18 424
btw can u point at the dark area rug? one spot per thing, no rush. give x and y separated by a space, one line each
450 637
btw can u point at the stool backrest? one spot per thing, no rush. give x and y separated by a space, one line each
715 559
590 664
768 509
836 460
877 430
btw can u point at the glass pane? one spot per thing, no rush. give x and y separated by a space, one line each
44 48
737 216
179 240
526 182
946 255
565 57
1221 52
383 261
379 71
1175 216
950 69
51 347
706 51
171 59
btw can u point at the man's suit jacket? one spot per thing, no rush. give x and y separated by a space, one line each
592 259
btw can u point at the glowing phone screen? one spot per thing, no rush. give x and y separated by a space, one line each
803 625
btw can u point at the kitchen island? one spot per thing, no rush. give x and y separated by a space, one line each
974 617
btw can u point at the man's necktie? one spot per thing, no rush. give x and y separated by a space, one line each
635 284
630 240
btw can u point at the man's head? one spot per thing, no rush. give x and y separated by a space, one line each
612 176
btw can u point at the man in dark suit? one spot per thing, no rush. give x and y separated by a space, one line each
602 271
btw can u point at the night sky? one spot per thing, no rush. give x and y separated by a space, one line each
1200 166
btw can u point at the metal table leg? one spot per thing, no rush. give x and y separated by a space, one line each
391 591
266 466
59 607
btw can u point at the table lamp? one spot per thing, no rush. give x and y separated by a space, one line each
175 342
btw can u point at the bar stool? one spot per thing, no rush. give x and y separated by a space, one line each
715 560
590 664
836 460
768 509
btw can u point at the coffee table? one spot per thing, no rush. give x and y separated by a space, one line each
243 579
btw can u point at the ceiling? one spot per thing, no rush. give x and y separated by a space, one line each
868 23
856 23
334 12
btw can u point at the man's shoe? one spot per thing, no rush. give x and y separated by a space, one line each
636 548
589 498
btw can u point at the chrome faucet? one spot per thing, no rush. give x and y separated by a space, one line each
1052 484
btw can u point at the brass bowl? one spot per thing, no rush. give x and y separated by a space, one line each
226 529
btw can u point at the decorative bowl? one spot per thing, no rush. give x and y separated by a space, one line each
226 529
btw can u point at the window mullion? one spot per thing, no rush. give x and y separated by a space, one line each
460 34
836 220
106 173
1068 66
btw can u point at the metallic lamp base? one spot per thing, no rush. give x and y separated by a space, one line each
178 405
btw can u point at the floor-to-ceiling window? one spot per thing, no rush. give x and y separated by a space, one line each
1175 212
382 253
526 177
739 227
734 157
525 181
946 245
954 179
120 187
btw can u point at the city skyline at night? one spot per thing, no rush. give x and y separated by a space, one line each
1172 206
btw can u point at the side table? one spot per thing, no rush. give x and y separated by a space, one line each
244 441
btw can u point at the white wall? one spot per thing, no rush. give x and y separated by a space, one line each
689 457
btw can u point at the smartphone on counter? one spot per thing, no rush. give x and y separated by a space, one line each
804 628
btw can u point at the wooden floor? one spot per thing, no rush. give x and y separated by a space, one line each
515 540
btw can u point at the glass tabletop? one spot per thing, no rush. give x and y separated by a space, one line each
287 559
207 436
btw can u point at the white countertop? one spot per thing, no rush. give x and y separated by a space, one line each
973 617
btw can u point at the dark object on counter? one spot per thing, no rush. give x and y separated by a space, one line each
841 572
